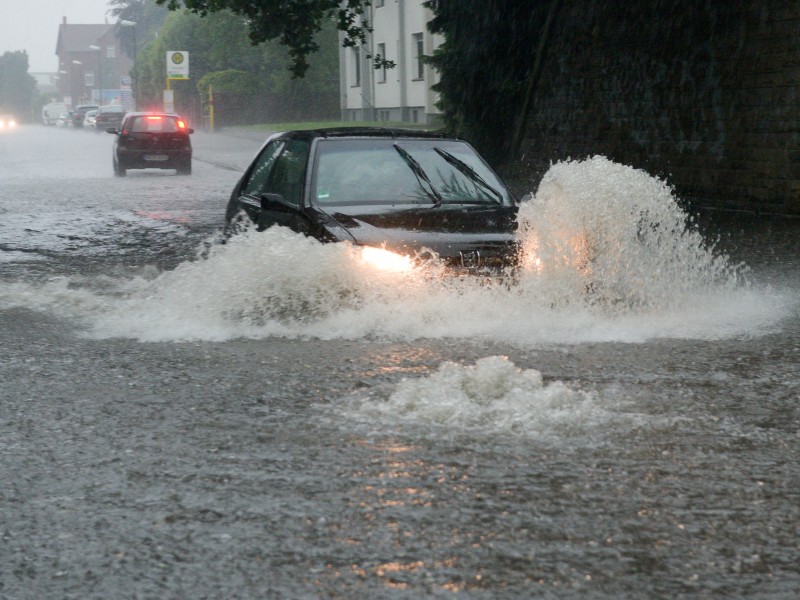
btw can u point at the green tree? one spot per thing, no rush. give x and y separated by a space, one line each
295 24
218 48
489 66
17 86
148 18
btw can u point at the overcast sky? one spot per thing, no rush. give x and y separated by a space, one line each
32 25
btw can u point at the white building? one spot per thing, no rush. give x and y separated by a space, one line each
403 93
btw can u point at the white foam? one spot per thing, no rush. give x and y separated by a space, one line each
610 258
494 397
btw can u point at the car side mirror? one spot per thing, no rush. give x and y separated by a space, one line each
190 130
113 130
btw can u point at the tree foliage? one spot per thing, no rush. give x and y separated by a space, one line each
295 24
485 66
231 81
148 18
17 86
219 47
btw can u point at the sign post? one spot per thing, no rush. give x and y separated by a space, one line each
211 106
169 101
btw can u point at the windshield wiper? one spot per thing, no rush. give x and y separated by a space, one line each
471 173
421 175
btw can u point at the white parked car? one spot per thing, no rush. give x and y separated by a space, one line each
64 120
89 117
51 112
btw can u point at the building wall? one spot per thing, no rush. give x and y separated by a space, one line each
703 93
385 23
84 72
399 94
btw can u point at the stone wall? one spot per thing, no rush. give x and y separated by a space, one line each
705 94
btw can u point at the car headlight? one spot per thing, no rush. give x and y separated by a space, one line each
386 260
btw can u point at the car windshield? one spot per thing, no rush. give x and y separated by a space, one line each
407 171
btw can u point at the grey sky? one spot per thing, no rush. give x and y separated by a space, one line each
32 25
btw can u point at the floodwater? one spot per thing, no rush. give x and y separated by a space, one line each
620 421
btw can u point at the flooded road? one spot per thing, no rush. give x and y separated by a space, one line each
270 419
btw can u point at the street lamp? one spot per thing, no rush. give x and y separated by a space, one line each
99 72
132 24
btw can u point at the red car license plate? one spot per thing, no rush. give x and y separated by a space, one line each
156 157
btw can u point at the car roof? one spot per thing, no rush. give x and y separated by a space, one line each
368 132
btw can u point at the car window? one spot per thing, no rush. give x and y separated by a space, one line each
154 124
288 174
256 184
370 172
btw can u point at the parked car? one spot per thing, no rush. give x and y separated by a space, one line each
89 118
108 116
405 192
52 111
80 113
148 140
7 122
64 119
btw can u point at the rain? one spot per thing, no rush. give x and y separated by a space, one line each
187 413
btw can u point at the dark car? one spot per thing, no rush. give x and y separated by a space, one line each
147 140
80 113
409 192
108 116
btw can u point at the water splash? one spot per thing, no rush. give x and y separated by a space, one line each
609 257
494 395
613 237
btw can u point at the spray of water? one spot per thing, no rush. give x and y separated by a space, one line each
608 255
492 395
613 237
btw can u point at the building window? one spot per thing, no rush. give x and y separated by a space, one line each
382 71
88 79
356 67
419 51
111 52
378 3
